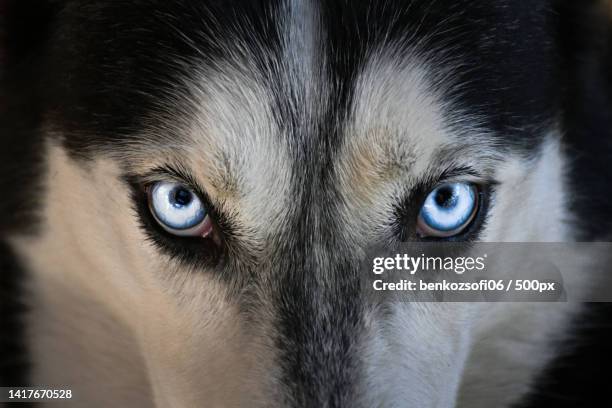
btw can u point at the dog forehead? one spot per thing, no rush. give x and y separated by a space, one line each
246 138
493 58
273 105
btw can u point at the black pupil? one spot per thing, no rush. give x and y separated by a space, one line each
182 197
444 197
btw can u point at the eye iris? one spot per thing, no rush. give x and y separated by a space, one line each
448 209
175 206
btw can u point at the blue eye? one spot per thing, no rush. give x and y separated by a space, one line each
448 210
178 209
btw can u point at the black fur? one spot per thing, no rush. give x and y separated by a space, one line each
13 364
577 377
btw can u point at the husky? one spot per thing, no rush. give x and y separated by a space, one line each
186 184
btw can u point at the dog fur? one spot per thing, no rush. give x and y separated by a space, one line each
311 127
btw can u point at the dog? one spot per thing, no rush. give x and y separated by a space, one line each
186 185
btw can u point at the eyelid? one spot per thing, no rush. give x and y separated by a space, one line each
178 175
460 178
462 174
169 174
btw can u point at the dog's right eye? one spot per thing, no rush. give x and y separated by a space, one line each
178 209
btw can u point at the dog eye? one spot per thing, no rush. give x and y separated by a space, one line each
178 209
448 210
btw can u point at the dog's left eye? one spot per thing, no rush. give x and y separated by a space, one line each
448 210
179 210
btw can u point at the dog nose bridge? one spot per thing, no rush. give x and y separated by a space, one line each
318 313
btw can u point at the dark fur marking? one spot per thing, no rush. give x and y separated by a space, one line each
488 46
106 77
14 365
578 376
319 322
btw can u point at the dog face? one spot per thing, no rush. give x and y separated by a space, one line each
304 133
